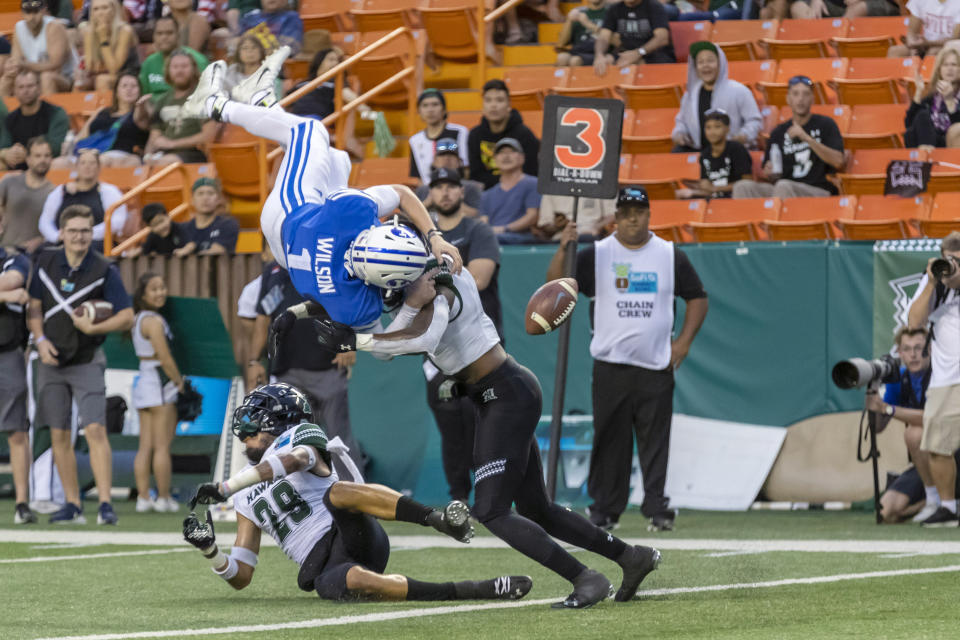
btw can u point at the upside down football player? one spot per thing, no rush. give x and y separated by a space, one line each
327 526
452 329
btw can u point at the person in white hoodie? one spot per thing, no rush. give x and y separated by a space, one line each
708 87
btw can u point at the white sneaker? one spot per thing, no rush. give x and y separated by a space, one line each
166 505
144 505
209 87
928 510
259 88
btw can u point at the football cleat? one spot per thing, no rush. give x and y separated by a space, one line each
68 514
639 562
208 99
23 515
456 521
589 588
259 88
511 587
663 521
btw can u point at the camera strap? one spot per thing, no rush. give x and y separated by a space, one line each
864 436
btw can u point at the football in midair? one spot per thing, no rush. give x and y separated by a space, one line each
551 305
95 310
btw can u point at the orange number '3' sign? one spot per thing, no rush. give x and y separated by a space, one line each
591 136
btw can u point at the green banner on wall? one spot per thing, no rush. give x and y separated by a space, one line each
898 266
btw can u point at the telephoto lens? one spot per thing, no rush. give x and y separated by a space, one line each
942 268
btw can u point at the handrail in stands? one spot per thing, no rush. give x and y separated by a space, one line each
108 249
482 21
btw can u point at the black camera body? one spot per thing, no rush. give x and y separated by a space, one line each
857 372
943 268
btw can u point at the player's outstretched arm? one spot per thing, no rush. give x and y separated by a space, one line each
411 205
237 568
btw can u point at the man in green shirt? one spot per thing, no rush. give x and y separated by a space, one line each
165 42
173 137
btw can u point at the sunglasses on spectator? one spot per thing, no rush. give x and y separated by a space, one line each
800 80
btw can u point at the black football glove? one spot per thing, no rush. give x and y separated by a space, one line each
334 336
207 493
278 331
198 534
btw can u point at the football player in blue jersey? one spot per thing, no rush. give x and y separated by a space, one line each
291 491
324 233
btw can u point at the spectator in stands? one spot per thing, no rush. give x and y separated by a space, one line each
594 215
248 58
709 87
72 365
499 121
209 234
41 44
432 108
119 131
109 45
174 138
933 119
634 354
283 25
576 42
34 117
801 152
932 23
236 10
512 206
143 16
22 196
644 34
717 10
86 190
166 237
5 50
774 9
813 9
723 163
153 72
448 156
154 394
193 30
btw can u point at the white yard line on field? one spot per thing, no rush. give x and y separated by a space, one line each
460 609
92 556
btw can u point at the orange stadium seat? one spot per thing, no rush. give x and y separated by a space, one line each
810 218
740 39
452 30
534 121
584 83
169 190
626 163
729 220
875 126
867 171
870 37
820 70
468 119
648 130
326 14
943 217
243 179
805 38
752 72
670 219
124 178
383 64
655 86
374 171
529 85
382 15
683 34
840 113
875 80
661 173
881 217
944 178
8 20
249 242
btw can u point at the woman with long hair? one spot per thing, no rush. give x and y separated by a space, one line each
121 130
109 46
154 394
247 59
933 119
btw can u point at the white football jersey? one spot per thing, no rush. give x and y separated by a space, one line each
291 509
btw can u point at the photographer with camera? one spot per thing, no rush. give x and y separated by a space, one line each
937 301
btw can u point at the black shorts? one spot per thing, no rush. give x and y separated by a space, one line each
909 484
355 539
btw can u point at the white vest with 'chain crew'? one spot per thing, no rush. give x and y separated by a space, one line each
633 308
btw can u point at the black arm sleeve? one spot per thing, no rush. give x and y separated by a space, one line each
586 271
686 282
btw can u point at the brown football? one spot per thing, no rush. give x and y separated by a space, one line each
551 305
96 310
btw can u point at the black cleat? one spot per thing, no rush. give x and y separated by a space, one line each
942 517
639 562
511 587
454 521
662 521
589 588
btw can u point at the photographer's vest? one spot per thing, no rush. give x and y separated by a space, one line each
633 308
13 328
63 291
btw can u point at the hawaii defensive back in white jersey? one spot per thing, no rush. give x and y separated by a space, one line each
291 509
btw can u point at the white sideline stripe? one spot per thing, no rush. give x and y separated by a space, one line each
92 556
174 539
433 611
727 554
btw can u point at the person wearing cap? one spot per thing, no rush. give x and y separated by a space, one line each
500 120
722 162
644 31
801 153
633 278
209 233
424 145
41 44
87 190
512 206
708 87
447 156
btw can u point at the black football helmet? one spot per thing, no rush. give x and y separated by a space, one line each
272 408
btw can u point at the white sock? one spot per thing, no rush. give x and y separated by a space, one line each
933 497
951 505
273 124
